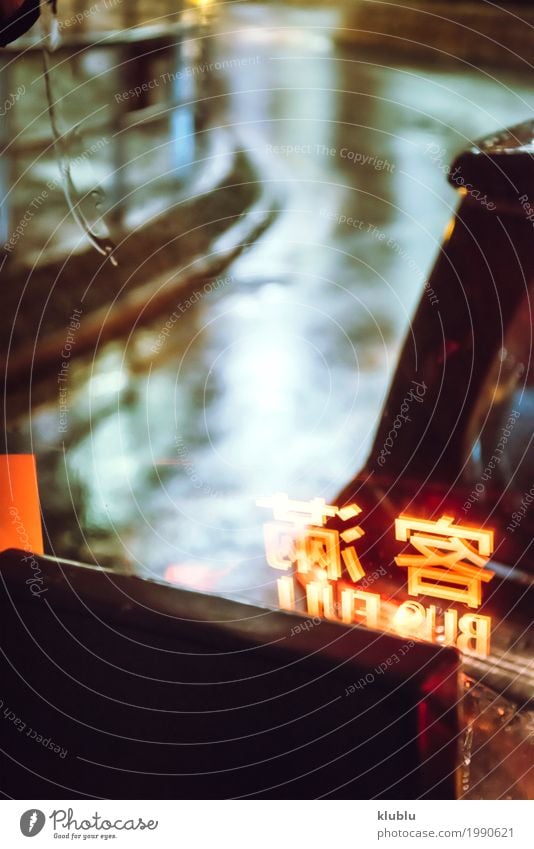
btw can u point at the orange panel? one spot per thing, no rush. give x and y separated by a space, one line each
20 517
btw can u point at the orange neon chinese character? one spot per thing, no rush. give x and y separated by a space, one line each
300 539
451 560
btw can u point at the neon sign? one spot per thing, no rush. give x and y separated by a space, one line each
443 561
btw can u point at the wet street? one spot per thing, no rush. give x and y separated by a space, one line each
293 200
272 376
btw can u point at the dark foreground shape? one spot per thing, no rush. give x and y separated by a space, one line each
155 692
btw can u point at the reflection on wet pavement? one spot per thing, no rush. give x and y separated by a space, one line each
310 185
272 376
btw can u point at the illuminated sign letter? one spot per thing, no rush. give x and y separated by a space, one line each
474 634
412 619
451 558
370 611
286 593
298 538
320 599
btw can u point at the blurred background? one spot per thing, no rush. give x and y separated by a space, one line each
271 181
